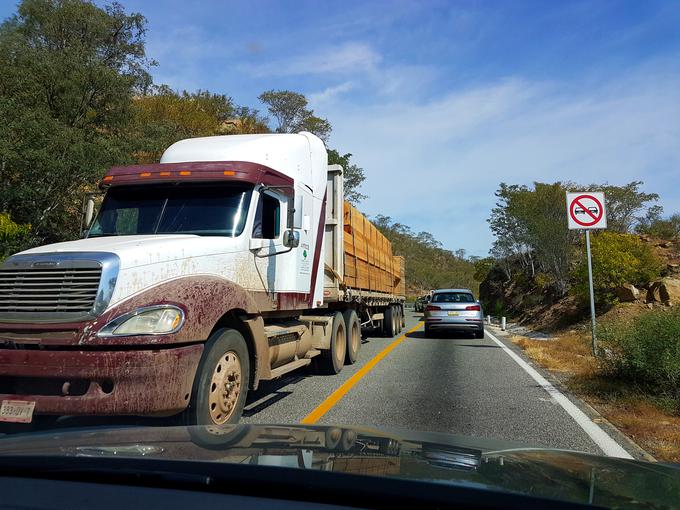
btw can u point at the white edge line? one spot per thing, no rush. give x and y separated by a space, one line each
610 447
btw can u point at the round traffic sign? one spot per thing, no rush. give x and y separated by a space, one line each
589 208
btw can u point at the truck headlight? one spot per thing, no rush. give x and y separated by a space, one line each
152 320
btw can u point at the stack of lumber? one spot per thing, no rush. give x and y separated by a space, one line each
369 263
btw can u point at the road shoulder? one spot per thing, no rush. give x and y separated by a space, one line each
591 413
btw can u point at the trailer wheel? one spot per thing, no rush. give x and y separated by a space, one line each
331 361
221 382
353 329
390 322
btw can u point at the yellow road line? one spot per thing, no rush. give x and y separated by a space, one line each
334 397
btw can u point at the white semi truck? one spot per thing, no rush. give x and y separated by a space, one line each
200 276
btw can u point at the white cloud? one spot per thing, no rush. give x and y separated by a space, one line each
435 165
350 57
329 94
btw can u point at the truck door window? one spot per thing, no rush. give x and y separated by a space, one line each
267 218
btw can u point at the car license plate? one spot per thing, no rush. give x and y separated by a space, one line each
452 314
17 411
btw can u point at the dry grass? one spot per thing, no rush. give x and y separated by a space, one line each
570 353
651 421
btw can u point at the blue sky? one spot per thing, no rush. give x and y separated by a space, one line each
441 101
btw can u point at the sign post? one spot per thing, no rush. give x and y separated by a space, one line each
586 211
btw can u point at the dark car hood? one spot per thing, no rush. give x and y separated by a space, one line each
435 457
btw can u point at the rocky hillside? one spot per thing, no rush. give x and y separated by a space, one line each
538 306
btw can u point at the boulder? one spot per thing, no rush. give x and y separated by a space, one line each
665 290
627 293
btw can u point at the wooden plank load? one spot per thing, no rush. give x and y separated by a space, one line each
369 263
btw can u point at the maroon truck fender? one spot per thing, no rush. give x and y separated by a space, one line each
206 300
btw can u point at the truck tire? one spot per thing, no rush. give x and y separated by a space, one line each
331 361
403 316
390 322
353 329
397 316
221 382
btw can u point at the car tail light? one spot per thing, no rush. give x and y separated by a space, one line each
473 308
432 308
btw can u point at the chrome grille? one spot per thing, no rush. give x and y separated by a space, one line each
49 289
56 286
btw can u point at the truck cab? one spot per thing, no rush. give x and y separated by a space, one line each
199 277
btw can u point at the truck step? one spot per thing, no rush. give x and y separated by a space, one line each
275 330
279 371
312 353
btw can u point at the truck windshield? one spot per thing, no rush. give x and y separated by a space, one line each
218 210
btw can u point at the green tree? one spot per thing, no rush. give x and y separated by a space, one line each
353 175
292 114
624 203
165 116
70 70
531 228
655 225
428 264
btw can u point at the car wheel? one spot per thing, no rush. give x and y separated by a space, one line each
428 332
221 382
479 334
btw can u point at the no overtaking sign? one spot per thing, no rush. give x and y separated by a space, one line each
586 210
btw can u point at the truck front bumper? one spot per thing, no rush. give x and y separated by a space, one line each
97 382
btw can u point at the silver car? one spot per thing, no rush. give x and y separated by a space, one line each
454 309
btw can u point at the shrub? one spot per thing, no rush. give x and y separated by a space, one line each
668 228
646 350
544 281
617 259
12 235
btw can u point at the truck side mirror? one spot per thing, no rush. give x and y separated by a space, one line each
291 238
87 215
89 212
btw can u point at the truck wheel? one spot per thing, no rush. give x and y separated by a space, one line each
221 382
330 361
353 329
390 322
403 317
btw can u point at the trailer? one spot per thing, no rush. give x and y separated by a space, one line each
234 260
360 271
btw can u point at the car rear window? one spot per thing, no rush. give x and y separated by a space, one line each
453 297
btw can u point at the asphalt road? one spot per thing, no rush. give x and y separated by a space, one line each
454 384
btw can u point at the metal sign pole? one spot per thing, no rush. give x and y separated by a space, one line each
592 294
